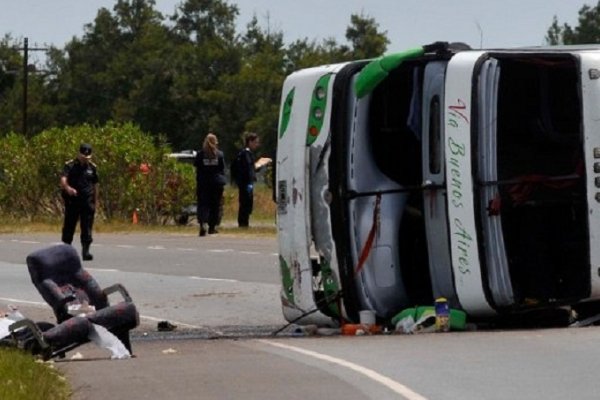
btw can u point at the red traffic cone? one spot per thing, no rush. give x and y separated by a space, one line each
134 217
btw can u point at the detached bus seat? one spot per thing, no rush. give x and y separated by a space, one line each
65 285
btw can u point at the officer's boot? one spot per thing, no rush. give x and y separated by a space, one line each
85 252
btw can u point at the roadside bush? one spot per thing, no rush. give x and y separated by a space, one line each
133 169
17 192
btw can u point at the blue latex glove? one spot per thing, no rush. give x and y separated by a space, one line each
249 188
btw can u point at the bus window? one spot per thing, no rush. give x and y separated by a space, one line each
434 136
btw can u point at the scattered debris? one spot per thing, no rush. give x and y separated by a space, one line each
423 319
165 326
360 329
585 322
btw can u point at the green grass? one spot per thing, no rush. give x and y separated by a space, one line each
22 377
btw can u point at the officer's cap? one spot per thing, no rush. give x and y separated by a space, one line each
85 150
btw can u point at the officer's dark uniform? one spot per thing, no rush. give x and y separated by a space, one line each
82 177
210 180
245 183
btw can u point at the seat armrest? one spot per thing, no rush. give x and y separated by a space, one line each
61 310
35 331
52 293
117 287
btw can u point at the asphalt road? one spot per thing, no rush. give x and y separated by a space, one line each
192 282
226 288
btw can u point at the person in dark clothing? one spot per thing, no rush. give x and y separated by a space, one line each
210 180
79 184
246 176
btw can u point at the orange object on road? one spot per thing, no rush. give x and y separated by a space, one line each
360 329
134 217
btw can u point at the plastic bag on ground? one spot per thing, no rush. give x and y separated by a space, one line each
103 338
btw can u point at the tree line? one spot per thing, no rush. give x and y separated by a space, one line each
179 76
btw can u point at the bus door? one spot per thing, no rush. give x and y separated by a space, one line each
498 275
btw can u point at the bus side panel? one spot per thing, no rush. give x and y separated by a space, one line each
459 185
293 201
590 87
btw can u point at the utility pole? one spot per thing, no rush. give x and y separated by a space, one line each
25 79
26 49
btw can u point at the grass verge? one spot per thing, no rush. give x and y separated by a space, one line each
24 378
262 220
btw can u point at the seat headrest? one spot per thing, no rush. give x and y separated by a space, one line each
53 261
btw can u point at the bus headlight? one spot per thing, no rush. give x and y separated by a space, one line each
318 113
320 92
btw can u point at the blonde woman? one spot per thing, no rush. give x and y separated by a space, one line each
210 180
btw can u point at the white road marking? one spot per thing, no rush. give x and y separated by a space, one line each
35 303
155 247
213 279
103 269
391 384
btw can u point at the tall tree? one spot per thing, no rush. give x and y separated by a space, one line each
249 99
207 52
84 82
119 70
588 30
144 62
363 33
304 53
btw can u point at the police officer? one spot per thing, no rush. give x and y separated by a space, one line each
210 180
246 175
79 184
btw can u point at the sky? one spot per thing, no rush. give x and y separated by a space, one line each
408 23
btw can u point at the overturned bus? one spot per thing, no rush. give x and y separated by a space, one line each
441 171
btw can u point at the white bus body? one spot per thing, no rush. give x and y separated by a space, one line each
439 172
